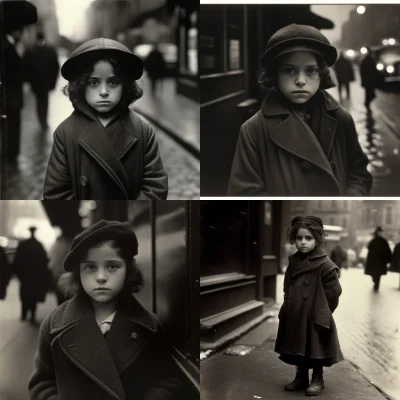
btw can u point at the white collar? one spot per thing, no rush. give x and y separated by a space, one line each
10 39
108 319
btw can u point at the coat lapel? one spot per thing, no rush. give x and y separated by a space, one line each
292 134
313 261
99 147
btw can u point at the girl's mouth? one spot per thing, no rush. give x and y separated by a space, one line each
300 92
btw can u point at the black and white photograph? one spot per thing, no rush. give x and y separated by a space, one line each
300 297
99 300
299 100
99 100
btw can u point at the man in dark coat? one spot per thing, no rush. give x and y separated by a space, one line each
5 273
13 79
30 266
155 67
345 74
369 78
338 256
41 69
379 255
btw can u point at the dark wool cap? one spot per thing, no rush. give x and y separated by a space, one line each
297 35
309 220
121 232
82 55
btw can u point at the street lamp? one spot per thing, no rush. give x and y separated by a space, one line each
392 41
363 50
361 9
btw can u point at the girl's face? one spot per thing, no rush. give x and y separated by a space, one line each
103 273
104 90
298 76
305 241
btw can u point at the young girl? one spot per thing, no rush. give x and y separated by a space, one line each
104 150
301 142
307 335
102 344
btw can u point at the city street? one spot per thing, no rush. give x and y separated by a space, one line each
25 181
379 134
18 341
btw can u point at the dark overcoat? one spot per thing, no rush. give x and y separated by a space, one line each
379 255
277 154
5 273
344 70
395 263
307 329
30 266
368 72
41 68
75 361
84 163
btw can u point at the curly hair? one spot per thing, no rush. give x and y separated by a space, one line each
75 89
70 283
316 229
268 78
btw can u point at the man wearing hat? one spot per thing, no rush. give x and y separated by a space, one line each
301 142
379 255
17 14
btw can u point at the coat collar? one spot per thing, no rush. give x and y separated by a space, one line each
78 333
289 132
309 263
93 139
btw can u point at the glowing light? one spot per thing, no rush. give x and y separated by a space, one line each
363 50
361 9
385 42
380 66
390 69
350 53
392 41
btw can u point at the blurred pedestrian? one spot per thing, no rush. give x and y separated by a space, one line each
369 78
57 254
338 256
99 320
307 335
30 266
41 69
379 255
395 263
104 150
5 273
301 142
13 78
351 256
344 73
155 67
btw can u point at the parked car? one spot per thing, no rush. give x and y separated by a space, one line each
388 63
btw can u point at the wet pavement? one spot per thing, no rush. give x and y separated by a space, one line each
379 134
18 342
369 326
25 180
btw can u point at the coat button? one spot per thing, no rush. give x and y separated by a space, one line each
305 296
306 165
306 282
83 180
134 336
308 117
333 166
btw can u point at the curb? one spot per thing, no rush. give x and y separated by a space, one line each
186 145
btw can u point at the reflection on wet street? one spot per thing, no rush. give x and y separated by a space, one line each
369 326
379 135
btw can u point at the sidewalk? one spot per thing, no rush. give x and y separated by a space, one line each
177 115
261 375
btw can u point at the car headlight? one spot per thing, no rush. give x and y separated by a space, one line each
390 69
380 66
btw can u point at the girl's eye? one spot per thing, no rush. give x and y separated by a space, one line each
113 266
93 82
289 70
312 71
309 238
114 82
89 267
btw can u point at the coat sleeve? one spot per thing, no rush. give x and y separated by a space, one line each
58 184
332 287
359 180
155 179
246 172
42 383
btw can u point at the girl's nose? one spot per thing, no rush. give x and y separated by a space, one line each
101 277
301 79
103 90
